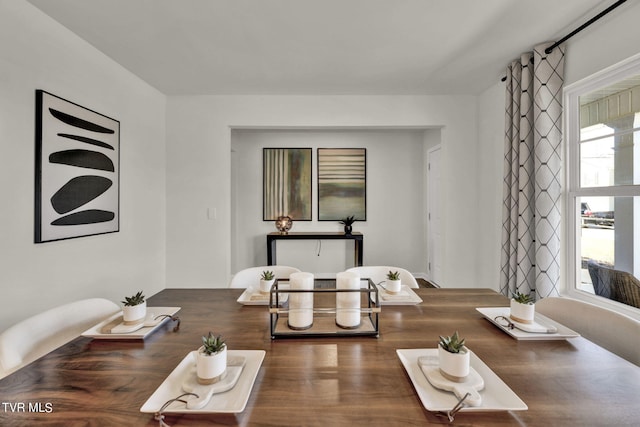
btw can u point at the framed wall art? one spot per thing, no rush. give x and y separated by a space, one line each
77 170
342 183
286 183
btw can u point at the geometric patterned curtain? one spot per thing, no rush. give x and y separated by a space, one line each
530 261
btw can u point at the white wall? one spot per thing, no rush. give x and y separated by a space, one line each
38 53
489 184
198 170
394 230
608 41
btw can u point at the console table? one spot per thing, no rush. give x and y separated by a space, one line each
356 237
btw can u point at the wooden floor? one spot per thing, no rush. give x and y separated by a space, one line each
425 284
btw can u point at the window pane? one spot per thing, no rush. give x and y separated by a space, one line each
606 158
597 156
608 242
609 123
614 105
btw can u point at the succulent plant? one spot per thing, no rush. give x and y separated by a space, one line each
348 220
212 344
523 298
393 275
134 300
267 275
452 344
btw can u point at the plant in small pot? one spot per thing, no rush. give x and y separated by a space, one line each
266 281
393 282
348 224
454 359
134 309
211 361
522 308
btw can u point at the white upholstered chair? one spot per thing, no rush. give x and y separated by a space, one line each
618 333
379 273
36 336
250 277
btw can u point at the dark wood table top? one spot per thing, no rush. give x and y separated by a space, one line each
324 381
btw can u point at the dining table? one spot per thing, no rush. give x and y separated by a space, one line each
323 380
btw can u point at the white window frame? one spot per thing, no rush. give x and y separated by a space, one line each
571 262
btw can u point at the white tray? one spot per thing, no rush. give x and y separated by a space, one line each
232 401
496 395
490 313
253 296
97 331
406 296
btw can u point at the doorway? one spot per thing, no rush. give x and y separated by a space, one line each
434 216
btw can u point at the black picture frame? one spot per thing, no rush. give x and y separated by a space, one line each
77 170
342 183
287 183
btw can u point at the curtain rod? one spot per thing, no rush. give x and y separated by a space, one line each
580 28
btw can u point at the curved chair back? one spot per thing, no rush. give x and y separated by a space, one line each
618 333
250 277
36 336
378 274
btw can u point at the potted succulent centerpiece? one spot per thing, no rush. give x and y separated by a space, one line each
266 281
393 282
348 224
211 361
454 359
522 308
134 309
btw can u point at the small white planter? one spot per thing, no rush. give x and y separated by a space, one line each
265 285
211 368
393 286
134 313
454 366
522 313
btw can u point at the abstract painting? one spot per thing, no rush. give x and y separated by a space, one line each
342 183
77 182
286 183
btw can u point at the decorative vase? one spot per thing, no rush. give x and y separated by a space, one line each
522 313
284 224
393 286
454 366
348 229
265 285
132 314
210 368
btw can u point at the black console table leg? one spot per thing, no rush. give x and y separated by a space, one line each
271 251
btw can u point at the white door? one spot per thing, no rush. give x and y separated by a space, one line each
434 216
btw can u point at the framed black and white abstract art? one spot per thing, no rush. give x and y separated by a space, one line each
77 170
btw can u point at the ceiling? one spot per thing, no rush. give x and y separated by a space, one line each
319 47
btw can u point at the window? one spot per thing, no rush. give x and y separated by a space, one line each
602 135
